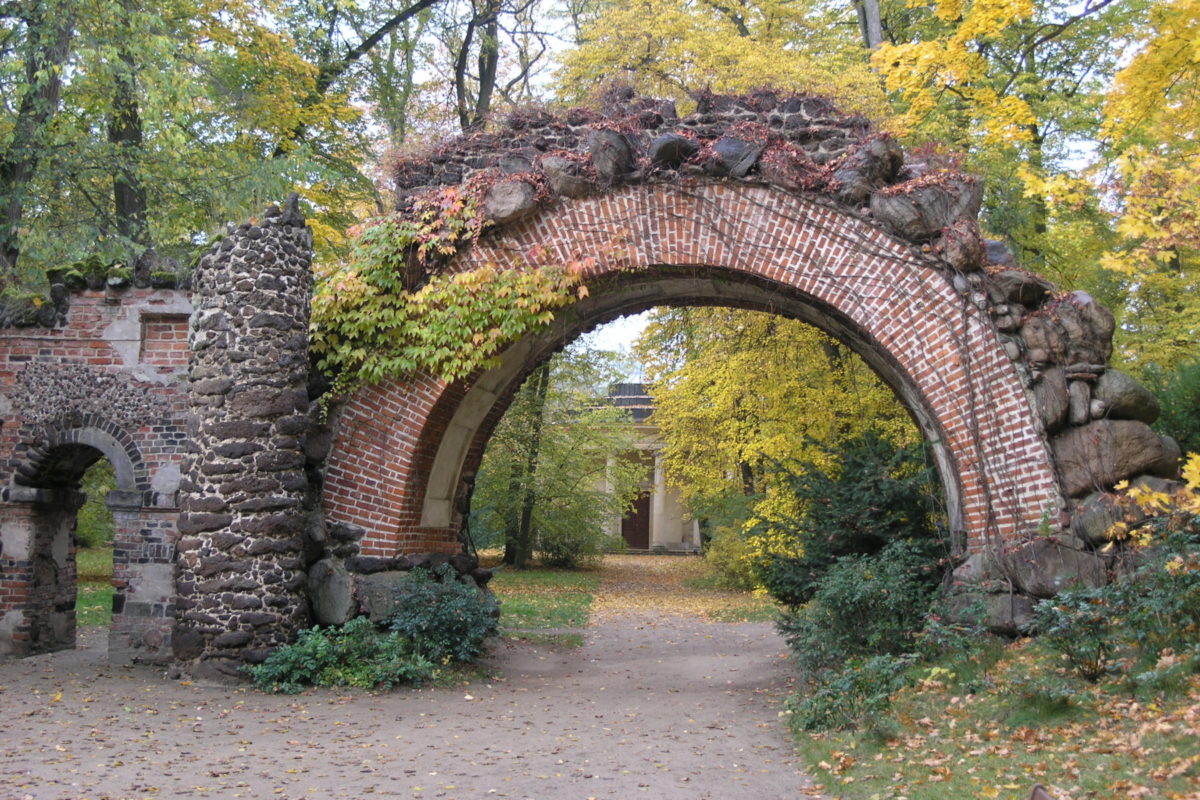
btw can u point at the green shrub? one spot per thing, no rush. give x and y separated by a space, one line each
729 554
1155 610
878 494
357 654
1080 625
863 606
861 690
582 545
445 620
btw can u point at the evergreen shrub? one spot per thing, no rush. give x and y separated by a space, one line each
444 619
357 654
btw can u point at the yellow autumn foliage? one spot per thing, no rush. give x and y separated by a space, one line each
667 48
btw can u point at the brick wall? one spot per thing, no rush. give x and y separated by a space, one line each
108 382
804 258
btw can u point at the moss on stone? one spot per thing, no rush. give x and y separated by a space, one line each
20 309
162 279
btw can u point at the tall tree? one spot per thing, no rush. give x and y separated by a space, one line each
723 432
1018 86
1152 130
37 46
669 48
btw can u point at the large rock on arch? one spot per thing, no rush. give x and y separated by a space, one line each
919 209
1095 456
1072 329
1125 398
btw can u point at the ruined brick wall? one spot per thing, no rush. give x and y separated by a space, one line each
834 224
98 374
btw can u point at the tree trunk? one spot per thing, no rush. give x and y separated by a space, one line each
48 38
125 135
1039 211
518 547
472 112
870 22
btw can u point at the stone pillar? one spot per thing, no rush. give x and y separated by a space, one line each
37 570
144 542
659 532
240 571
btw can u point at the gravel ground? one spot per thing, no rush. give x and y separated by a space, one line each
652 705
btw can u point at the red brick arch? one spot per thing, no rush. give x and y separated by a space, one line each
400 448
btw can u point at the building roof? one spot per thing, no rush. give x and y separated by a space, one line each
633 398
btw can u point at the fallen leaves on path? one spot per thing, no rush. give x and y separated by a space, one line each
665 585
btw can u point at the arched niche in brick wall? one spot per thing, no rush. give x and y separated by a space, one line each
42 506
401 448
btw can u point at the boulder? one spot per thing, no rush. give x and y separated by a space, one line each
1169 466
376 593
734 157
1073 329
612 155
1125 398
567 178
513 163
1016 286
1095 515
670 150
1046 566
509 201
1053 399
1003 613
1099 454
1081 402
867 167
331 591
960 245
791 169
919 209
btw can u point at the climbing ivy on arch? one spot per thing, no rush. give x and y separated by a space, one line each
391 310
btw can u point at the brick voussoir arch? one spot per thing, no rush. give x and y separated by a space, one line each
402 447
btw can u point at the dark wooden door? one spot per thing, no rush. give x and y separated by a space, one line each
635 528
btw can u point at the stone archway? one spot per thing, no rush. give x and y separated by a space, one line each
715 243
40 520
782 204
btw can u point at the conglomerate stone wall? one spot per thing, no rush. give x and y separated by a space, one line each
241 573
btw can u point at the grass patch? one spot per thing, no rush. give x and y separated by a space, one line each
544 598
761 611
93 601
93 604
94 563
994 726
557 641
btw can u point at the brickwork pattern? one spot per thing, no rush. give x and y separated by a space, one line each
944 347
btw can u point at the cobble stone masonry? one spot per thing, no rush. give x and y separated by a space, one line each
242 517
241 575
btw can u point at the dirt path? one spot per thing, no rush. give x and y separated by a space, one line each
654 705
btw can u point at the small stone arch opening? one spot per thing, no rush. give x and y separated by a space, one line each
39 547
